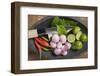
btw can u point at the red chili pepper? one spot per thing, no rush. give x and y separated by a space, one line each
37 45
42 42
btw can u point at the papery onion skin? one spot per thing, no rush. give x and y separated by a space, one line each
59 45
68 45
63 38
55 38
64 53
57 51
52 44
64 48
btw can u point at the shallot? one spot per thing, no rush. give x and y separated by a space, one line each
68 45
52 44
64 48
63 38
59 45
64 53
57 51
55 38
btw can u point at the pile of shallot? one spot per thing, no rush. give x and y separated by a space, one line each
60 44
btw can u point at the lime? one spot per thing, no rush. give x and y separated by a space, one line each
78 35
77 45
83 38
76 29
74 46
71 38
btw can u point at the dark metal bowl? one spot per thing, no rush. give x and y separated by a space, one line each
44 24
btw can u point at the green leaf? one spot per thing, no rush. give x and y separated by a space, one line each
55 21
61 29
58 21
70 22
62 23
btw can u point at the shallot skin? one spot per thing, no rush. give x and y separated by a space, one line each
64 53
52 44
57 51
64 48
68 45
63 38
55 38
59 45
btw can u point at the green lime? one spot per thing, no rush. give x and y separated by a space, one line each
71 38
78 35
76 29
83 38
74 46
77 45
